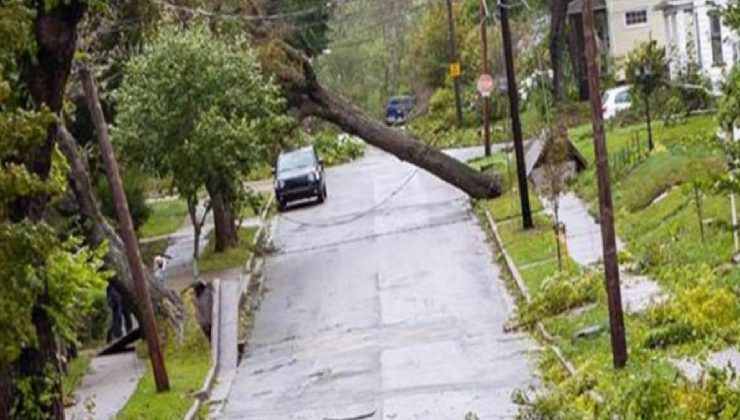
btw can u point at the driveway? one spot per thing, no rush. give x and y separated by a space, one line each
382 303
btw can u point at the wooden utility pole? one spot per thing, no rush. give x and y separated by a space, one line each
146 312
606 210
516 127
486 98
453 59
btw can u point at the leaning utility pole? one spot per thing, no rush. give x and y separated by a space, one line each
128 235
516 127
606 210
486 98
454 63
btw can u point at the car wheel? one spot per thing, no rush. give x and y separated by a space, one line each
320 197
281 205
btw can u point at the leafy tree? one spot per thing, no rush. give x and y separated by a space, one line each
49 279
197 109
647 68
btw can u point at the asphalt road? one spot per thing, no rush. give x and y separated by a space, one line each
382 303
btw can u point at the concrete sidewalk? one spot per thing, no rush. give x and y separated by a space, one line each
106 387
583 236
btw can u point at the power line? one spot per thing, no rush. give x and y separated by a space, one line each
362 214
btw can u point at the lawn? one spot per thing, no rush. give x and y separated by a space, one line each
534 251
76 370
166 217
234 257
664 240
187 366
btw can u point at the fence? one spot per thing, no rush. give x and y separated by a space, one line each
629 156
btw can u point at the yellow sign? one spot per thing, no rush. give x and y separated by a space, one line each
455 70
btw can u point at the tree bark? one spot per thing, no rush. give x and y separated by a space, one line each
224 225
558 17
167 304
333 108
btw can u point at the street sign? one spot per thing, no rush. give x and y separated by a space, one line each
455 70
485 85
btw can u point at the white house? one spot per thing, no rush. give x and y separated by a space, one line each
694 32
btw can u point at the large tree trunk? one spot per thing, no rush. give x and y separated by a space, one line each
295 74
558 17
339 111
224 225
167 304
45 75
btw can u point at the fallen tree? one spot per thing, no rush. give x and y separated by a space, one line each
294 72
167 304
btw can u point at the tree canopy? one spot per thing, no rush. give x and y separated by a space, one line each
197 108
49 277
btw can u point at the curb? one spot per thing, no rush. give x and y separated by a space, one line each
522 288
252 271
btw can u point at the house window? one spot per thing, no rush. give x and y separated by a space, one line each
635 17
715 31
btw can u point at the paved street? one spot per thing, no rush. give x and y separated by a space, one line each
394 313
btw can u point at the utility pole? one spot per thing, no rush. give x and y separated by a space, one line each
454 63
128 235
486 98
606 210
516 127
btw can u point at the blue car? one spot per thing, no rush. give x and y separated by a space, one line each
398 110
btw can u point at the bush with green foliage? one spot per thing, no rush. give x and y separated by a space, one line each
563 291
49 278
135 186
336 148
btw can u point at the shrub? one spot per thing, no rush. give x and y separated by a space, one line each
335 148
135 185
669 335
710 313
562 292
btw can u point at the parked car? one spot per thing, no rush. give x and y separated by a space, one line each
299 175
615 101
398 110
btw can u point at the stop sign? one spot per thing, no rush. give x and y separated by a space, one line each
485 85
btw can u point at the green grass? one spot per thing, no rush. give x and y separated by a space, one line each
167 216
187 366
235 257
534 251
663 240
76 370
618 137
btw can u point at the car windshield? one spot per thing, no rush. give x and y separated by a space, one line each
406 101
295 160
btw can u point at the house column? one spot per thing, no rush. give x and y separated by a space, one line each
680 22
669 41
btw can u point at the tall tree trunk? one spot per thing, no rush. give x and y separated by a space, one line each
578 60
45 75
224 225
167 304
558 17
